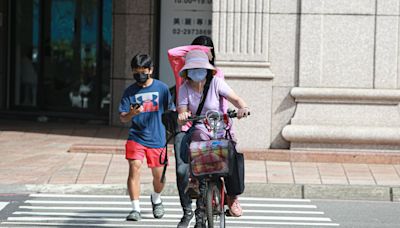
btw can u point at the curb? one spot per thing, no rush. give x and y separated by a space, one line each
364 157
298 191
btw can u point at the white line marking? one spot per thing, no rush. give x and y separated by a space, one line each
167 226
282 223
90 196
164 197
275 199
126 209
90 216
3 205
122 216
165 203
86 224
144 218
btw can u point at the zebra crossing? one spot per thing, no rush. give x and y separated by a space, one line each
64 210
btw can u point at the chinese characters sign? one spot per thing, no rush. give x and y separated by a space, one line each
181 22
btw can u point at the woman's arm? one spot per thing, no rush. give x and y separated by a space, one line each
239 103
183 115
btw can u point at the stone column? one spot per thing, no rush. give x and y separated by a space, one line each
348 95
240 33
133 32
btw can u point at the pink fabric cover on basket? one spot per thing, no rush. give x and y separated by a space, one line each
209 157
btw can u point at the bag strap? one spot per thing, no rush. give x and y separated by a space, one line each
198 112
165 163
205 91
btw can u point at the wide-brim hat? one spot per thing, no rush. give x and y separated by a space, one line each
196 59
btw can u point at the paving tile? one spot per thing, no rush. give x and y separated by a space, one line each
385 174
40 152
306 173
255 171
68 173
279 172
117 171
108 132
359 174
94 169
332 173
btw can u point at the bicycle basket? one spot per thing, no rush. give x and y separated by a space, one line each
210 157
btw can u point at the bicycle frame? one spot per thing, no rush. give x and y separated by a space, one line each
214 195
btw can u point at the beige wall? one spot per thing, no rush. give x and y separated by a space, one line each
319 74
347 97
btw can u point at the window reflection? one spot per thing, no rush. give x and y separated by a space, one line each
64 48
26 52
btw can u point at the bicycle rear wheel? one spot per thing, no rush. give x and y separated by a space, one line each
214 205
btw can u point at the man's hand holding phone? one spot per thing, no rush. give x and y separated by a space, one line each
136 109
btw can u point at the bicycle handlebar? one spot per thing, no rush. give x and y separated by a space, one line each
230 114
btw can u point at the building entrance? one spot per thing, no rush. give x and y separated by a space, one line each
61 56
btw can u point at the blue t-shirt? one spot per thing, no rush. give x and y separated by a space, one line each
147 128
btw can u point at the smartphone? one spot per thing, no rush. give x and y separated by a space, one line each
135 106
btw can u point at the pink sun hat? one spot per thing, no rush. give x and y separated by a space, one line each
196 59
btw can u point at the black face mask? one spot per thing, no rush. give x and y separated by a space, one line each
140 77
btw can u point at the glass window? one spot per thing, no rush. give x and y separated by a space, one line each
26 52
106 55
63 47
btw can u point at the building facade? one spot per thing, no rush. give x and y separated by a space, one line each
319 75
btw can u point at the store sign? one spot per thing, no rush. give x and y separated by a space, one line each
181 22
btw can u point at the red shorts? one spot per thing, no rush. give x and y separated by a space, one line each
136 151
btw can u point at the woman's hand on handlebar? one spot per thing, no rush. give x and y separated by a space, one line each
243 112
183 117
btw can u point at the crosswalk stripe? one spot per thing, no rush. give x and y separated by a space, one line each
164 197
283 223
88 225
228 222
127 209
3 205
111 210
136 225
122 216
144 217
165 203
122 209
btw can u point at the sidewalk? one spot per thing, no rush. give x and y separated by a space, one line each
35 158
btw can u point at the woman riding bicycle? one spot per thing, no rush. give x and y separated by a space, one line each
195 71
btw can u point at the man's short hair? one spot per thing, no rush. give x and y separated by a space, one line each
141 60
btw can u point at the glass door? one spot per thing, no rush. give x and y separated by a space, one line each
70 54
26 53
63 51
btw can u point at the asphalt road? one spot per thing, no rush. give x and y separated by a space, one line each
362 214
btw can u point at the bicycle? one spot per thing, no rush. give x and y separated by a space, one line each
214 193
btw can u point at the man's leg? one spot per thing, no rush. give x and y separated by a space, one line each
157 173
133 183
134 154
153 161
134 179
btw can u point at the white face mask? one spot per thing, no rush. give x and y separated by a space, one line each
197 75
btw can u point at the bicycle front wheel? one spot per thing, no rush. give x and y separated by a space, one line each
214 206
